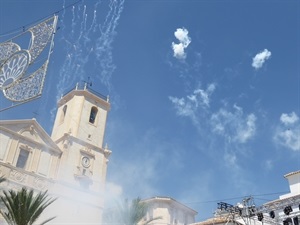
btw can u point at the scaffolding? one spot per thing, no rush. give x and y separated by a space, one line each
279 212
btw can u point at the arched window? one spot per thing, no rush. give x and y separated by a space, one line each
93 114
63 113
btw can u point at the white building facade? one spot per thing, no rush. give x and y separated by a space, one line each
71 163
170 212
286 209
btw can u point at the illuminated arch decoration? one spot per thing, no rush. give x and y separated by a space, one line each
17 83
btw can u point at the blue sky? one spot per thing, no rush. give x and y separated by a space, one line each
204 94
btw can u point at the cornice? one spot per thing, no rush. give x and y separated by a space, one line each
36 143
171 201
292 173
26 178
84 93
88 145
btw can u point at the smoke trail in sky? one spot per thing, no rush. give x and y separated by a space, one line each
104 42
87 39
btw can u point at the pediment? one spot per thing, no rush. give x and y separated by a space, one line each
31 131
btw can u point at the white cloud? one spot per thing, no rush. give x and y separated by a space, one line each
260 58
204 95
183 107
189 106
288 119
247 130
184 40
231 160
288 137
234 126
268 165
178 51
182 35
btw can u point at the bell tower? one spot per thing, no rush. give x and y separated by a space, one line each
82 113
79 130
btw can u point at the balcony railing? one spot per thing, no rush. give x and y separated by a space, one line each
85 86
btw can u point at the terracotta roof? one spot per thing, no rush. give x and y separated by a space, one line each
216 220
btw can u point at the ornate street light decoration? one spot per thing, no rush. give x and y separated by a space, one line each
15 82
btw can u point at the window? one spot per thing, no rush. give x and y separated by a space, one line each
22 159
4 143
63 114
93 114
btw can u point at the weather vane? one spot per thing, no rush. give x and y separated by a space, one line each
20 78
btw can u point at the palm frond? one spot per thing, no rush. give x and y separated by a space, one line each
2 179
130 213
24 207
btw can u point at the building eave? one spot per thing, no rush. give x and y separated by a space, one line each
171 201
69 137
85 93
292 173
51 144
279 203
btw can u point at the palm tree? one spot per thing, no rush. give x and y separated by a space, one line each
2 179
130 213
23 208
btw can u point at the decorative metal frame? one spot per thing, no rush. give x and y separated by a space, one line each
16 84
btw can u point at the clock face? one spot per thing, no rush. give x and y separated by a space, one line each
85 161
